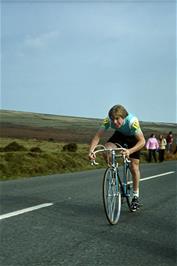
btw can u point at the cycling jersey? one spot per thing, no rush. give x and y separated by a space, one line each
130 125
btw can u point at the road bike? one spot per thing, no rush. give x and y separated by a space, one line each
117 185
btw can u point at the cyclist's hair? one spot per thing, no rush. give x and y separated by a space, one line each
117 111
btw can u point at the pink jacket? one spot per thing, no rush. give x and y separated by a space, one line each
152 144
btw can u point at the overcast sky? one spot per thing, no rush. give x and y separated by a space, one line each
79 58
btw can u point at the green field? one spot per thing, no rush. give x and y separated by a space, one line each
40 138
40 157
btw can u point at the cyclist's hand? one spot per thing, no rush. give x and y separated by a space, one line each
92 156
126 153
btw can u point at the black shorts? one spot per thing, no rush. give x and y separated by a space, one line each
126 142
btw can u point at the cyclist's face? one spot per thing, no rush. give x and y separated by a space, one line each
117 121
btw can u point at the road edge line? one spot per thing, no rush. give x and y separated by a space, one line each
15 213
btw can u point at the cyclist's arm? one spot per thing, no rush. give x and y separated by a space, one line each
140 143
95 141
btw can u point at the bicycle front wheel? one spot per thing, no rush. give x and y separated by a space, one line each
111 196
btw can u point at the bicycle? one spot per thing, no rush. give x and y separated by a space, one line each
115 187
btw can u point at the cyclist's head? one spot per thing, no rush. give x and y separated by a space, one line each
117 111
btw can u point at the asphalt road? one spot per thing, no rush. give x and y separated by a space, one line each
72 229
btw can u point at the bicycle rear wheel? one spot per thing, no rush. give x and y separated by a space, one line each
129 187
111 196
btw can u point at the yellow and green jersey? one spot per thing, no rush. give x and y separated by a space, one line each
130 127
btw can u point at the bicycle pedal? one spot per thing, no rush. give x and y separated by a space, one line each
137 208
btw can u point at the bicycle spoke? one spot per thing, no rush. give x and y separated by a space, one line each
111 196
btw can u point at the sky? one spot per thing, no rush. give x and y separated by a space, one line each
79 58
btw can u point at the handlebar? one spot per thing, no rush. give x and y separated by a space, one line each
104 149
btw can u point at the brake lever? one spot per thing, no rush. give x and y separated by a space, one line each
126 159
93 162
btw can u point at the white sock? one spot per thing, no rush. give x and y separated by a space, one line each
136 193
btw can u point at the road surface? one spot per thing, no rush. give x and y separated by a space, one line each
59 220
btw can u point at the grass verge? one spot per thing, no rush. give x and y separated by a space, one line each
37 158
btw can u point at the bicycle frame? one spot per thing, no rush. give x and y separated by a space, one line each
126 167
125 183
114 165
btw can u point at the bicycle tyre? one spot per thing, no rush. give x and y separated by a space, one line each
111 196
129 187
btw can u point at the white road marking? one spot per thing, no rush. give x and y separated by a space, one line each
154 176
15 213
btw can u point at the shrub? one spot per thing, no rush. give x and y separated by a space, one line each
14 146
51 139
72 147
36 149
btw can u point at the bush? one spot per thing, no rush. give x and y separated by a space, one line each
14 146
51 139
36 149
72 147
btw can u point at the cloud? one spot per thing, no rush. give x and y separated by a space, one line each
40 41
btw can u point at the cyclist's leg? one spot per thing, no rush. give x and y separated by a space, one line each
135 170
107 157
111 143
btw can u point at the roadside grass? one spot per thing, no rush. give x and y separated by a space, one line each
40 158
46 157
25 164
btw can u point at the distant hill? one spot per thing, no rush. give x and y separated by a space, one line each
17 124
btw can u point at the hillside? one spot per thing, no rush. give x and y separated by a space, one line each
33 144
15 124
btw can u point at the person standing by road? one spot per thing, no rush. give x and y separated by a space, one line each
162 147
152 145
169 142
175 150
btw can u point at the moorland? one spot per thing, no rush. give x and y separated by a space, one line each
40 144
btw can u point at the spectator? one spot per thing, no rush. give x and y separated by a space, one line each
162 147
175 151
152 145
169 142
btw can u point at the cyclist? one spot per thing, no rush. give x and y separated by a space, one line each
127 132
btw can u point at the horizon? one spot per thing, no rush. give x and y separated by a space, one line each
82 117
